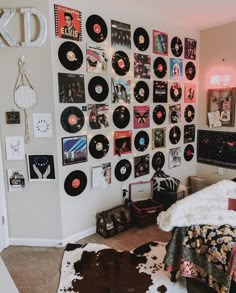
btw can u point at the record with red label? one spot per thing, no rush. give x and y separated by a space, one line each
75 183
98 88
141 141
176 47
189 113
190 70
120 63
70 55
158 160
141 91
188 152
160 67
175 134
96 28
99 146
176 91
141 39
159 114
72 119
121 117
123 170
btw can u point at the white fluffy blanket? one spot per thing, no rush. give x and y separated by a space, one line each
207 206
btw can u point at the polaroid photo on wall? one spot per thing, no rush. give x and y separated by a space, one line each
15 147
41 167
16 179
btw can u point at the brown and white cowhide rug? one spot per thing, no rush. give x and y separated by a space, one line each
96 268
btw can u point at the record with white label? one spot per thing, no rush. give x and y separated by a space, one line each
70 55
98 88
141 91
176 47
123 170
99 146
141 39
190 70
189 113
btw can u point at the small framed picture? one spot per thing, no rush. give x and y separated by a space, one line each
158 138
160 43
41 167
74 150
13 117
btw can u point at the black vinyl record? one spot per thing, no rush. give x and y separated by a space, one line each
176 91
190 70
75 183
158 160
72 119
189 113
96 28
175 134
70 55
98 88
141 141
141 91
159 114
176 47
160 67
123 170
121 117
141 39
188 152
99 146
120 63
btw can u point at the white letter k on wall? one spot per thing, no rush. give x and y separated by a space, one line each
4 20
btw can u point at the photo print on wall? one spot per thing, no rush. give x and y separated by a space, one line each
15 147
16 179
41 167
42 123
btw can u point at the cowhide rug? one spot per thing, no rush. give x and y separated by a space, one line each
96 268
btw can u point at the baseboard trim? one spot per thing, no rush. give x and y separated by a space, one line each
51 242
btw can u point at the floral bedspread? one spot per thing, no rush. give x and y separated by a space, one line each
204 252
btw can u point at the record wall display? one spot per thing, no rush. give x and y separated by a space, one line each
189 113
159 114
120 63
175 134
96 28
160 91
141 39
160 67
70 55
190 70
75 183
121 117
99 146
176 91
141 91
123 170
176 47
141 141
98 88
72 119
188 152
158 160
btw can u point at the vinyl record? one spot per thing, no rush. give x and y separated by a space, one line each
141 39
121 117
75 183
123 170
176 91
72 119
189 113
158 160
70 55
96 28
188 152
174 134
141 91
141 141
99 146
176 47
190 70
160 67
98 88
120 63
159 114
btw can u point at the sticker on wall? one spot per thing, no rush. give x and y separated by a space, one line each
176 47
121 90
15 148
101 176
42 123
160 43
98 116
97 59
16 179
68 23
71 88
141 116
176 69
175 113
120 34
142 66
122 142
189 93
41 167
141 166
174 158
74 150
160 90
190 49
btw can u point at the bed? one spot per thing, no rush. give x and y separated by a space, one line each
203 243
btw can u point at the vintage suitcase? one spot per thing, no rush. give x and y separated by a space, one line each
144 209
